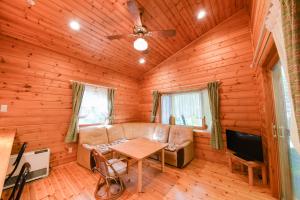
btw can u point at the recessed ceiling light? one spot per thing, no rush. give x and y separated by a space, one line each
142 60
201 14
74 25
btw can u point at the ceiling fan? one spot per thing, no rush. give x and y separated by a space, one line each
140 31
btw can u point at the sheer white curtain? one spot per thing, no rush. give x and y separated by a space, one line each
274 25
188 108
94 106
166 107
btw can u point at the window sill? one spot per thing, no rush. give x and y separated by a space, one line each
86 125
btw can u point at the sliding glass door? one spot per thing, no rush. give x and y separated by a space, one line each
289 159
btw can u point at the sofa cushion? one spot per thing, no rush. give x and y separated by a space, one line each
161 133
171 147
120 141
180 134
115 132
103 148
93 135
135 130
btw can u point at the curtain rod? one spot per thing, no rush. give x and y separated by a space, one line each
201 87
94 85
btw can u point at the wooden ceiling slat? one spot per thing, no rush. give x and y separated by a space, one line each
46 25
154 23
66 39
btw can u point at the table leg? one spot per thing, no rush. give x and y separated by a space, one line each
230 163
140 175
163 160
250 175
264 175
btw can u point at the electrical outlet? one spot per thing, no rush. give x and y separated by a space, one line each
3 108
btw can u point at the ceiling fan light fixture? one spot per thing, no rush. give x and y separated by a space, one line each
140 44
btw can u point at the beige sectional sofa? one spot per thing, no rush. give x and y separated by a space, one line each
179 152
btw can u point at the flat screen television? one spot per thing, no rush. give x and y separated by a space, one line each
244 145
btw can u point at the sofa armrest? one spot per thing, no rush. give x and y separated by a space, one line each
183 145
83 156
185 153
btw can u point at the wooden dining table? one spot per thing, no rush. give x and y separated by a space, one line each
140 149
6 143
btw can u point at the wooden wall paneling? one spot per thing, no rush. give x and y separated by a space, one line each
203 149
46 25
214 56
35 84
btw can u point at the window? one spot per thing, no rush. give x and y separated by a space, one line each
94 106
188 108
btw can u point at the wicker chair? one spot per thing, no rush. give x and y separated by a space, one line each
110 184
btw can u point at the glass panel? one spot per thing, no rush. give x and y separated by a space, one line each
206 109
94 106
282 108
293 154
165 109
188 108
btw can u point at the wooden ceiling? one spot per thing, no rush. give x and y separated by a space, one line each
46 25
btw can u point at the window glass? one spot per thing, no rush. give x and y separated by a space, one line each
188 108
94 106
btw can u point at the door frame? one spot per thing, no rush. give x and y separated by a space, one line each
271 58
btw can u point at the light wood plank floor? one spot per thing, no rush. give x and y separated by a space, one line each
199 180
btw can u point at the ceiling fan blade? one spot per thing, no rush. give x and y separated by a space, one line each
135 12
121 36
163 33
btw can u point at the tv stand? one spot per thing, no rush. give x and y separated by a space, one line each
250 164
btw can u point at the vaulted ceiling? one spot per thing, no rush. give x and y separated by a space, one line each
46 25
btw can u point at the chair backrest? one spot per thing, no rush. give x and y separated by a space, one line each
17 161
98 163
21 180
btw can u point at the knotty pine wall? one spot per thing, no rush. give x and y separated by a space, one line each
224 53
35 84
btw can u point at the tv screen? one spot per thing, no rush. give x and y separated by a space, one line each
246 146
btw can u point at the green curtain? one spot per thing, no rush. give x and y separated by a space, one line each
216 140
156 97
78 90
290 10
110 97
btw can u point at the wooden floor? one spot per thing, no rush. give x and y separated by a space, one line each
199 180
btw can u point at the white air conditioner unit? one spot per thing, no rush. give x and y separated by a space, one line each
39 161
